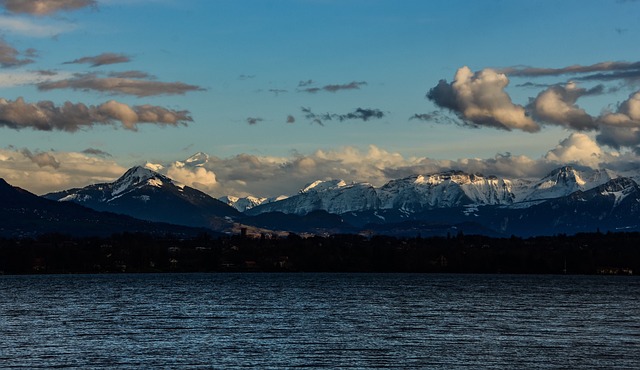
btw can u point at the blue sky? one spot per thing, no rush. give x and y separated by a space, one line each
281 93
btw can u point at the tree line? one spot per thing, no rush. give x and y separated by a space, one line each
589 253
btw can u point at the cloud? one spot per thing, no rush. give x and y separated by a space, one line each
198 177
102 59
96 152
27 27
9 56
277 92
41 159
20 78
363 114
265 176
254 120
46 116
573 69
132 74
45 7
578 148
354 85
305 83
119 85
628 72
72 170
622 127
556 105
479 98
628 114
291 119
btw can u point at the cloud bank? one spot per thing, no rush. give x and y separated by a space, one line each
46 116
44 7
119 85
44 172
265 176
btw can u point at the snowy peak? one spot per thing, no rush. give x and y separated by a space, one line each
445 189
321 185
197 160
242 204
137 176
565 176
566 180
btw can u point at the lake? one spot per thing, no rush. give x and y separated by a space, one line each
226 321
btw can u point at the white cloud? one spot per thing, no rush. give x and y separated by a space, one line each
578 148
45 172
28 27
480 98
20 78
265 176
198 177
556 105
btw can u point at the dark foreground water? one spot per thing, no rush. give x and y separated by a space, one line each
280 321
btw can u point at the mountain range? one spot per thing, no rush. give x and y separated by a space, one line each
567 200
24 214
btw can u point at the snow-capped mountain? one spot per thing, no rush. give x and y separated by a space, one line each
148 195
566 180
197 160
335 196
445 190
242 204
451 189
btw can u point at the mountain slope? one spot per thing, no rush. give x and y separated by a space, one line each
334 196
24 214
148 195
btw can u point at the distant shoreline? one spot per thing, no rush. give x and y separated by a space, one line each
589 253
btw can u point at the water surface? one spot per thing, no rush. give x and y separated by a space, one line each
320 321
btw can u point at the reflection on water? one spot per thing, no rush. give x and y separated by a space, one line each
320 320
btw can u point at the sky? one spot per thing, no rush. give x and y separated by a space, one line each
280 93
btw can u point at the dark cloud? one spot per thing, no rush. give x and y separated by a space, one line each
291 119
628 76
45 7
96 152
574 69
354 85
436 117
277 92
9 56
246 77
444 96
305 83
132 74
119 85
533 85
102 59
46 72
254 120
41 159
363 114
46 116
